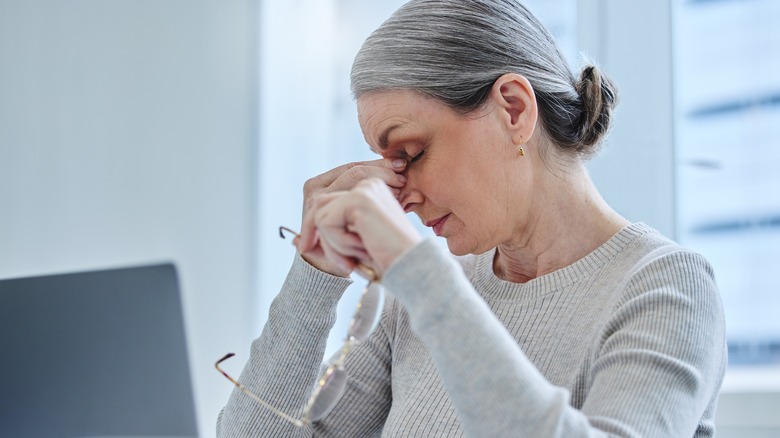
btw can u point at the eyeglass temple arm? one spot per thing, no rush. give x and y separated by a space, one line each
295 421
224 358
365 270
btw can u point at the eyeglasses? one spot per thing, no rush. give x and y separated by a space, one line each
333 382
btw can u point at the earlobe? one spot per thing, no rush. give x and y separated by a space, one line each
515 96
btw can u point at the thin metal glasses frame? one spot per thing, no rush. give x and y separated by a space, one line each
332 384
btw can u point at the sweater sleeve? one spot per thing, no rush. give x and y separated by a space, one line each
497 391
285 360
662 353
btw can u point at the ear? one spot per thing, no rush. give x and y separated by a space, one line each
514 96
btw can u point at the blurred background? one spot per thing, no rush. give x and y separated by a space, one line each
143 131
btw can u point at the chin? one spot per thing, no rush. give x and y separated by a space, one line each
471 246
458 248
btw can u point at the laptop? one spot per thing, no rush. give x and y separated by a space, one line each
95 354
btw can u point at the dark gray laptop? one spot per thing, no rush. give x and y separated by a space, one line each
95 354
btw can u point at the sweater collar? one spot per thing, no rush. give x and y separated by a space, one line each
494 288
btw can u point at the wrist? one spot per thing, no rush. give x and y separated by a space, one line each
326 266
403 248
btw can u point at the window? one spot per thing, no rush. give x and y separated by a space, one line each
727 99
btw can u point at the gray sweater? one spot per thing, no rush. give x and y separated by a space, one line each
627 341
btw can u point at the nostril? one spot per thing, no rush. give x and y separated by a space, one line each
407 201
402 200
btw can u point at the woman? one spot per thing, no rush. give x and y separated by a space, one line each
560 319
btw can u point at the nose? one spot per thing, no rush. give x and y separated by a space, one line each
410 198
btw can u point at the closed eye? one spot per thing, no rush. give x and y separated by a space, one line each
417 157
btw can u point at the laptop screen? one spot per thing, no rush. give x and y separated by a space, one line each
95 354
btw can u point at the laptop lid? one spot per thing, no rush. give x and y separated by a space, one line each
95 354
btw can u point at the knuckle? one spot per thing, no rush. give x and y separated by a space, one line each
371 182
310 186
358 173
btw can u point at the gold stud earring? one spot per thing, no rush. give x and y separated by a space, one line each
520 150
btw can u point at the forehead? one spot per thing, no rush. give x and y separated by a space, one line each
382 113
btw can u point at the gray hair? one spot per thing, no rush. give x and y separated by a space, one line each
454 50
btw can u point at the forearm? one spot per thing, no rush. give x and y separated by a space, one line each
285 360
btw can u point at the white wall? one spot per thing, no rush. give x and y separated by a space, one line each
126 137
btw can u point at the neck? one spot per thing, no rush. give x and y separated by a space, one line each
570 219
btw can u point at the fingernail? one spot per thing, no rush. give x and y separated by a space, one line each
401 178
399 163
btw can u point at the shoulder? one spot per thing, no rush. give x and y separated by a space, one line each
664 283
667 285
654 261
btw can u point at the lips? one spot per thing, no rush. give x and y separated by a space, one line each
437 224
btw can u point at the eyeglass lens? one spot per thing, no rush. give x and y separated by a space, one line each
368 312
333 383
328 393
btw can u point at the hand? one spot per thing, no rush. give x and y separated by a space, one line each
343 178
365 224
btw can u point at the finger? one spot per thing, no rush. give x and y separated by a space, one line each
345 176
393 164
334 256
309 236
328 217
344 243
315 252
356 174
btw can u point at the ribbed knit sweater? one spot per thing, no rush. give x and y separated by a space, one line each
628 341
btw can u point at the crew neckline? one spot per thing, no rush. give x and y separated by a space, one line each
494 288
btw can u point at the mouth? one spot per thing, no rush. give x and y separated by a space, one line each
437 224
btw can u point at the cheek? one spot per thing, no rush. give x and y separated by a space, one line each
425 177
484 208
451 184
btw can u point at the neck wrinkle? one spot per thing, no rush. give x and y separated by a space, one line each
492 287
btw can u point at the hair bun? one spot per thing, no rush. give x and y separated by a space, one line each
599 97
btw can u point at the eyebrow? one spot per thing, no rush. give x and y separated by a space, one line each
383 138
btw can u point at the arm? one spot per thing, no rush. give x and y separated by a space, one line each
498 392
662 356
285 360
